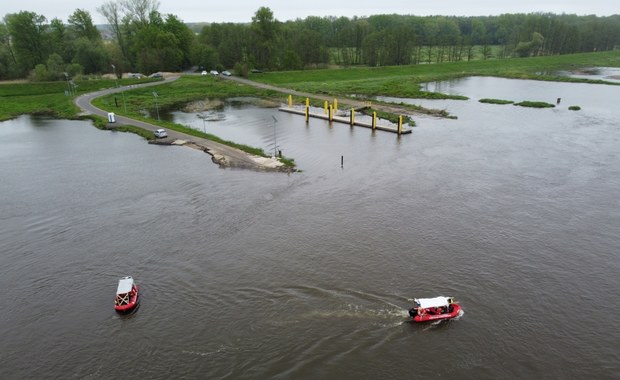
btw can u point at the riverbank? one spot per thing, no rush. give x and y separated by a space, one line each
224 156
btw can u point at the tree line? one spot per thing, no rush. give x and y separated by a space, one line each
143 40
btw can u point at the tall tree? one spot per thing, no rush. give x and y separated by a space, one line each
139 11
28 39
7 58
112 12
184 37
265 29
81 24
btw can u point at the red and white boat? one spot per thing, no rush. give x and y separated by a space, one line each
433 309
126 295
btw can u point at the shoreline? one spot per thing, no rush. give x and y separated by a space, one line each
226 159
222 155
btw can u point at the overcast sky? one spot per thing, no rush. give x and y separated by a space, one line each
243 10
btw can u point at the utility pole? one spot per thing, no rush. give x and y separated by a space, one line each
156 106
275 143
122 90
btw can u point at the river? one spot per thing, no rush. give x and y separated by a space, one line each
513 211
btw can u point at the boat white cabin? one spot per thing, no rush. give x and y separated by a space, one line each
125 285
440 301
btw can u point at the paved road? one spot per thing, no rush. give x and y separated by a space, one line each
223 155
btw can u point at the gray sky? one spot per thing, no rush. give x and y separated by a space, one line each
243 10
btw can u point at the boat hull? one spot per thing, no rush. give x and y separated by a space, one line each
456 309
133 302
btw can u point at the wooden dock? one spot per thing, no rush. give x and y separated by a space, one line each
347 120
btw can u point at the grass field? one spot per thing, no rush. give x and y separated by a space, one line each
186 89
47 98
404 81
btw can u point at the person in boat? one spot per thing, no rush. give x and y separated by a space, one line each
450 305
412 312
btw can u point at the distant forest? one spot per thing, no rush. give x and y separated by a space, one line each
140 39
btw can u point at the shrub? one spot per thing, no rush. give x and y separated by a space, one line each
531 104
574 108
495 101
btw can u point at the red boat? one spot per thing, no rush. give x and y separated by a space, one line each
433 309
126 295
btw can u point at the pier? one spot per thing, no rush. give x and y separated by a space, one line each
329 115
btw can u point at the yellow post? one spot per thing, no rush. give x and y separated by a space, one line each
352 116
374 121
400 124
326 107
307 102
290 101
331 112
307 113
335 104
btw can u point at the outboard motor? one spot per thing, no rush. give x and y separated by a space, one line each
413 312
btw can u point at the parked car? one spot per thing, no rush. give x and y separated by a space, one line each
204 72
214 72
227 73
156 75
160 133
136 75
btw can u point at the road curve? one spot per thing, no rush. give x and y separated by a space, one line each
221 154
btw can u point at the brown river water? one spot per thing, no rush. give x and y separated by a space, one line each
513 211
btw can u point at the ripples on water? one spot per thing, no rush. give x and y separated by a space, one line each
258 275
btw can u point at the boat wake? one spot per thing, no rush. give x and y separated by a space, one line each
359 311
220 350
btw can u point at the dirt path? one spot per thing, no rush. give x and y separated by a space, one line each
351 102
395 109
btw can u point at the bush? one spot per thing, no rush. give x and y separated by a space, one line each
535 104
574 108
242 69
495 101
39 74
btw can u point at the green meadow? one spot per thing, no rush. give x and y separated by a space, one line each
404 81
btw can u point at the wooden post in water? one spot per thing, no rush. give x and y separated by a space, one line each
290 101
325 107
352 116
374 121
342 161
307 114
335 104
400 124
307 102
331 113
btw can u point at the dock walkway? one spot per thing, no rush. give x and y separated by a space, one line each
347 120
